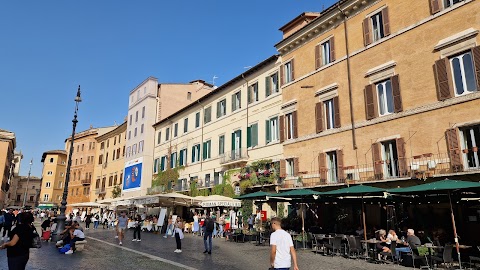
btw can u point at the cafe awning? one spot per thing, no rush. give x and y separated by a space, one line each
297 193
259 195
217 200
443 186
358 190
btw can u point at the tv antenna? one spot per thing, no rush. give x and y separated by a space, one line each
213 79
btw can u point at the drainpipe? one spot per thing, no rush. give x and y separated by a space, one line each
352 118
243 76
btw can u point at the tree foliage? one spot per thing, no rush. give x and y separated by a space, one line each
116 191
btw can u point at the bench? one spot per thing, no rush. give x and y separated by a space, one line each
80 245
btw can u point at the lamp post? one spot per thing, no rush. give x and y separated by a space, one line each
61 218
28 180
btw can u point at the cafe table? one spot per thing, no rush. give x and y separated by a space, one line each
373 242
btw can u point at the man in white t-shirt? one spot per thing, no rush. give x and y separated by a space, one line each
282 250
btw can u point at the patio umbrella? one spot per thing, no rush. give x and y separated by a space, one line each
444 186
361 191
255 196
301 194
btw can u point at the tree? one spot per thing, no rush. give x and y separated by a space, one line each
116 191
170 175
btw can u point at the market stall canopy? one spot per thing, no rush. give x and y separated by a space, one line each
174 198
217 200
443 185
359 190
255 196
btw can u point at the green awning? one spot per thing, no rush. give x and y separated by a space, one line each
443 185
355 191
297 193
255 196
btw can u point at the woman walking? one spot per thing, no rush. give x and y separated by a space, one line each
196 226
95 221
169 227
179 235
88 221
137 229
21 240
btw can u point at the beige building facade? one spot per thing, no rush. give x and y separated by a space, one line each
380 91
109 163
26 192
7 163
53 178
150 102
233 126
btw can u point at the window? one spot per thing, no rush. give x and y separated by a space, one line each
288 72
196 153
129 149
470 143
108 143
376 27
163 163
143 112
236 101
141 129
19 197
252 135
167 134
271 84
173 160
221 108
115 179
221 145
135 133
155 165
236 144
78 148
329 114
47 185
290 167
384 97
49 173
207 180
118 153
182 157
290 125
31 198
140 146
136 116
207 150
197 119
175 130
130 122
253 93
119 138
271 130
185 125
100 160
81 161
332 167
159 137
62 174
46 197
115 141
51 160
83 147
123 151
449 3
390 158
93 145
207 115
134 150
463 74
138 94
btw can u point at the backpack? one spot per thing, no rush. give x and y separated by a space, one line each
209 225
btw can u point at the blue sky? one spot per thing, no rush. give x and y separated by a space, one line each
48 48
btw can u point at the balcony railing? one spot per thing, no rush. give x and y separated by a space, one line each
86 182
156 190
420 167
100 191
238 155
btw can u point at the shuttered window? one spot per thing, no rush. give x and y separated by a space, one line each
221 108
236 101
271 84
383 98
291 125
173 160
197 120
319 117
185 125
322 168
376 27
252 135
253 93
207 115
453 145
221 145
283 168
288 72
207 149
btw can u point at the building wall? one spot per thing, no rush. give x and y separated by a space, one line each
7 146
409 51
108 172
254 113
32 189
53 177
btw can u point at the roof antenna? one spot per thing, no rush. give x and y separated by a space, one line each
213 80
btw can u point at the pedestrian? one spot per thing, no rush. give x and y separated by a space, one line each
221 224
95 221
76 234
105 220
137 229
282 250
2 220
250 222
20 243
196 226
179 234
88 220
208 225
122 222
7 224
170 228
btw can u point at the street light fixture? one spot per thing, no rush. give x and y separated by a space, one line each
61 218
28 180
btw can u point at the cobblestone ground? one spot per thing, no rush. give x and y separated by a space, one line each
156 252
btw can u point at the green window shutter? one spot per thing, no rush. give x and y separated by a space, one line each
249 136
267 132
249 94
209 154
233 103
268 88
204 154
254 133
240 139
218 109
180 161
221 145
193 154
239 99
233 141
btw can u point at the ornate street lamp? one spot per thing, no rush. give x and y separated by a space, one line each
61 218
28 181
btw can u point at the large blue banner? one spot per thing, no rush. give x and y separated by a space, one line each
133 176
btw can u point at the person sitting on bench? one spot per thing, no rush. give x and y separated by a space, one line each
76 235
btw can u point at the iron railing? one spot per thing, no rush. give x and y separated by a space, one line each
234 155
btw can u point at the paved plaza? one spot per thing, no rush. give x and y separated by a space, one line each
156 252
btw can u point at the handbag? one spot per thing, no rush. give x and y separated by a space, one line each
36 240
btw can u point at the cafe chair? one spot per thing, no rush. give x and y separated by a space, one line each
352 247
446 258
391 254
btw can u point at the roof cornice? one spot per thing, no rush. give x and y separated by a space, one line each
329 18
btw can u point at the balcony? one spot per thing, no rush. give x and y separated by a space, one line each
86 182
234 157
418 167
100 191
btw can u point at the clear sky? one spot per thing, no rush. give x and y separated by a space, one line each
48 48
